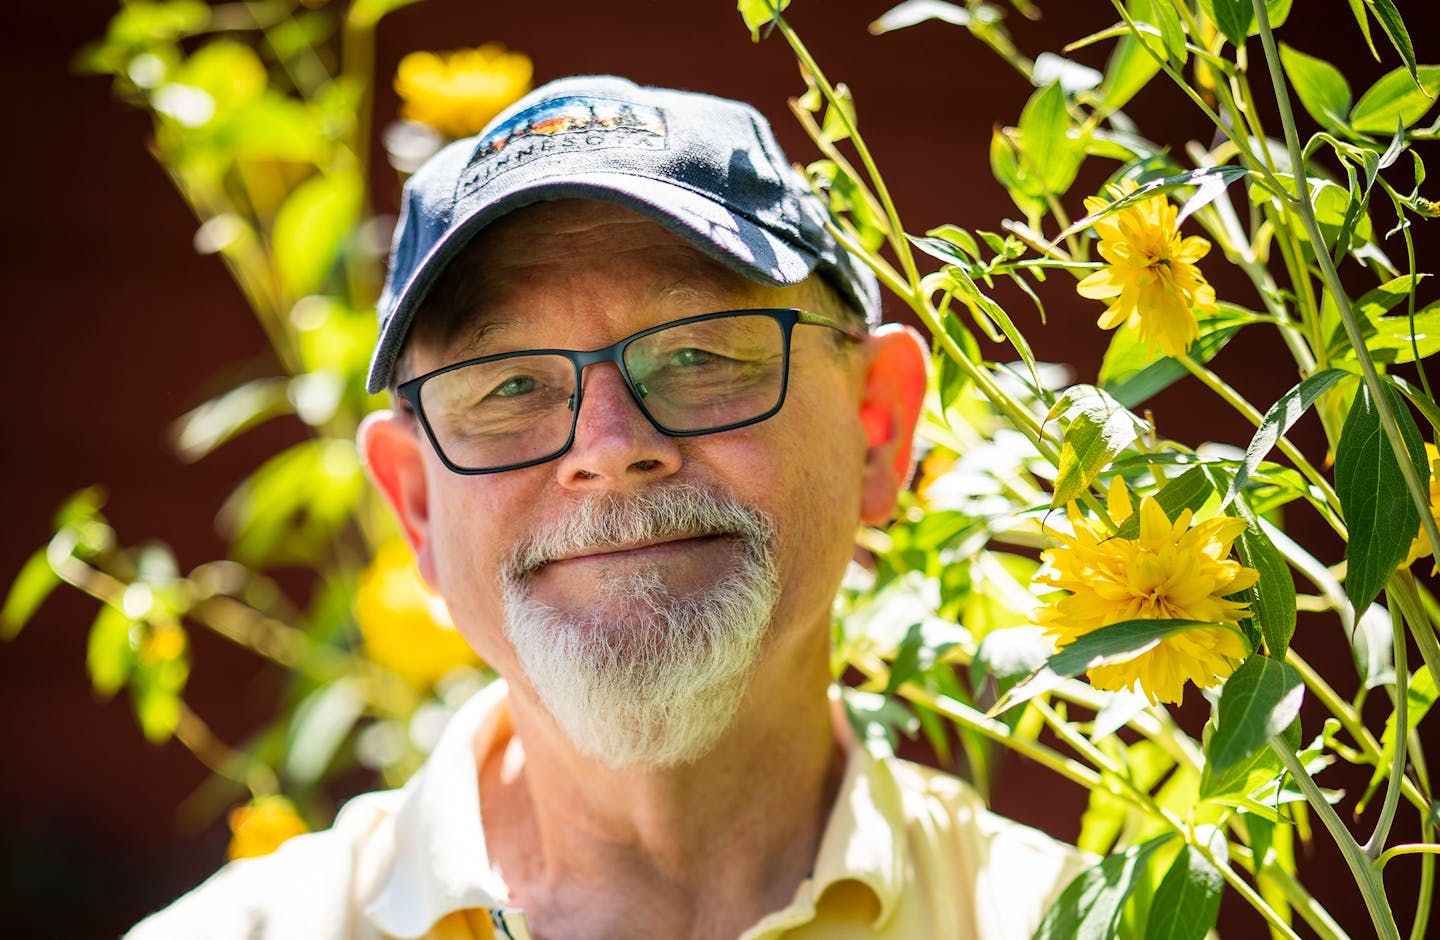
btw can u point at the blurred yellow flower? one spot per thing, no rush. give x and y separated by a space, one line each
457 93
259 827
406 628
1172 571
1151 280
1421 546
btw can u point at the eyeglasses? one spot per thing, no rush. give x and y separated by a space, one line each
699 375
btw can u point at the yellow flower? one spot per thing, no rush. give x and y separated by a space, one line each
1152 281
1421 546
457 93
1172 571
259 827
407 628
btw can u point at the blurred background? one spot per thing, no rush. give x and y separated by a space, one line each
116 327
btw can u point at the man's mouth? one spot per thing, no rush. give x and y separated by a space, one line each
656 547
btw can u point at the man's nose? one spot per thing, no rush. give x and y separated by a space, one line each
615 445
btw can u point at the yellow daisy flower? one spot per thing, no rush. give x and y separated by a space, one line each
1152 280
457 93
1171 571
259 827
406 628
1421 546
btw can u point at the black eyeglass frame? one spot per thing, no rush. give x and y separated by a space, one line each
408 392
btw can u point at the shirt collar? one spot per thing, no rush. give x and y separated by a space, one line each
863 837
441 863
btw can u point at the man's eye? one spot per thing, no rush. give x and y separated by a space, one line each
513 386
694 357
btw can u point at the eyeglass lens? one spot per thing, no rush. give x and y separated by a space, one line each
688 378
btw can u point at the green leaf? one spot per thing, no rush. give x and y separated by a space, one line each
912 12
1048 150
143 24
110 650
1397 98
1115 643
923 645
1189 491
229 72
319 726
203 429
311 228
1009 655
1187 903
1420 695
27 592
1258 702
1394 27
759 14
1233 17
1130 67
1381 517
1372 645
1089 907
1239 781
1133 372
878 720
1172 31
1322 88
1209 183
1398 338
295 503
1279 419
1099 429
1272 598
1276 10
988 314
155 691
1368 310
1023 188
366 13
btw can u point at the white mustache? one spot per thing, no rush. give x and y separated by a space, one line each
606 520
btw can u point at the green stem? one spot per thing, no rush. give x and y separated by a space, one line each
1423 630
1301 204
1406 848
1360 864
1407 613
999 732
897 232
1235 400
1184 86
1311 910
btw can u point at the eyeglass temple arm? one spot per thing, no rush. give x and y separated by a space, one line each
820 319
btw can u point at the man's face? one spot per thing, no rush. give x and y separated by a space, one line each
767 512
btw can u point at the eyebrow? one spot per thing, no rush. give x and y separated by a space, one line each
701 281
471 340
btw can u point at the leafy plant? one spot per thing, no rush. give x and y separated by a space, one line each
1172 564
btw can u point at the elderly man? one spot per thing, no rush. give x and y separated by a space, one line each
641 407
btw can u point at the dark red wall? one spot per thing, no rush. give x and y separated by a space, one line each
114 327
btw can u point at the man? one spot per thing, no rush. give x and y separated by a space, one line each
640 413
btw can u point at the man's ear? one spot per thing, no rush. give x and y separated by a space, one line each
390 449
894 393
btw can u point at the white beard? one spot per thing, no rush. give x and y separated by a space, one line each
657 685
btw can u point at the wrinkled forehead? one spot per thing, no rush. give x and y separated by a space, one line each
523 255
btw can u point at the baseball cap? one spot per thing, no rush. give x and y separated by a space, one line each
706 168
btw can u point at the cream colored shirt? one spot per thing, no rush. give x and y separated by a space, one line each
908 852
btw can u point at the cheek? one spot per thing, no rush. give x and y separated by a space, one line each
467 537
812 486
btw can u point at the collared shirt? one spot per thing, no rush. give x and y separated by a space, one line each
908 852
